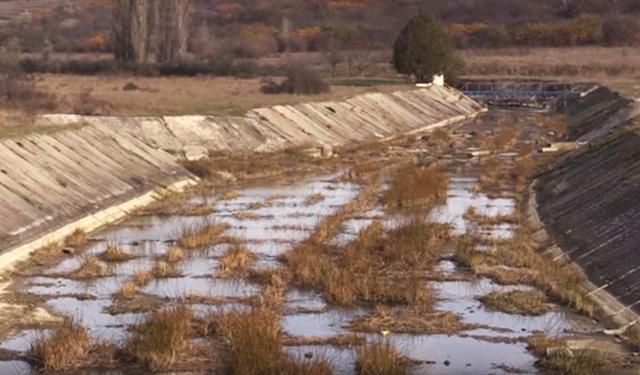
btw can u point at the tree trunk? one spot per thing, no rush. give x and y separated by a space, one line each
148 31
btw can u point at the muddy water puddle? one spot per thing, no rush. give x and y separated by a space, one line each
271 220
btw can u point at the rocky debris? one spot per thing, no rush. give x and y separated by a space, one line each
195 153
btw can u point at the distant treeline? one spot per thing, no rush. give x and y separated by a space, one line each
251 28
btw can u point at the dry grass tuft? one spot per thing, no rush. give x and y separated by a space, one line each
573 362
473 216
163 270
236 262
540 344
77 239
314 199
230 195
558 358
198 210
128 290
174 255
64 349
417 187
416 320
256 346
91 268
380 359
245 215
207 235
115 254
141 278
256 205
519 302
274 289
163 338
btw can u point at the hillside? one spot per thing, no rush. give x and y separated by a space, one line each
250 28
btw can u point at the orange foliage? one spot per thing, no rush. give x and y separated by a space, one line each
229 11
98 42
309 33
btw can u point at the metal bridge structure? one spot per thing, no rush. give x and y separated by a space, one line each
522 94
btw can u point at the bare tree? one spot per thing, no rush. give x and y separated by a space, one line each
151 30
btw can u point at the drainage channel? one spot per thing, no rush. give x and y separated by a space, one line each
271 220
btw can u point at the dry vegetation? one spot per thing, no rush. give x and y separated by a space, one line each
314 199
141 278
115 254
517 302
91 268
256 346
128 290
160 341
181 95
236 262
77 239
380 359
373 268
414 320
164 270
557 358
527 266
64 349
174 255
199 237
576 62
417 187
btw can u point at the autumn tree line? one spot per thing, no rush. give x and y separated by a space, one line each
345 31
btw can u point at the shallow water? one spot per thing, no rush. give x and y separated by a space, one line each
274 230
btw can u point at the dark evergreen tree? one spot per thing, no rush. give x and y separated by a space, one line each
424 49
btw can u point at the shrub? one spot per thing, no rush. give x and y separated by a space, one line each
216 67
299 81
64 349
17 89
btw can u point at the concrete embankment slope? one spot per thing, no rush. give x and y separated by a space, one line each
361 118
589 200
49 180
101 168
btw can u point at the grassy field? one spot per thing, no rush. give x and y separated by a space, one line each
614 67
181 95
106 94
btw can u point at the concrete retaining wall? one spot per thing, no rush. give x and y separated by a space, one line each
50 180
56 182
361 118
589 199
